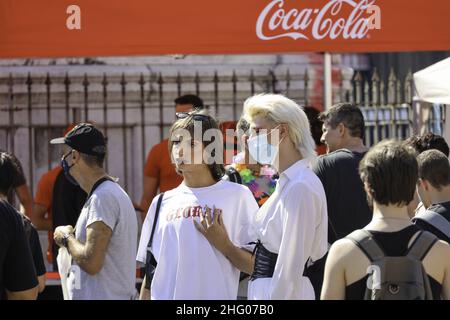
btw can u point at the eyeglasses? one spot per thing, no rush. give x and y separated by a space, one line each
195 116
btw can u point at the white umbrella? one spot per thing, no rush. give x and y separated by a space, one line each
433 83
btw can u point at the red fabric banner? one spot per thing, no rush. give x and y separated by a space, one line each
49 28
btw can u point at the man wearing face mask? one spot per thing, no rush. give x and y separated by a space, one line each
103 244
53 209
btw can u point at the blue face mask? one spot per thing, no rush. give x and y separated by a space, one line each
66 168
261 150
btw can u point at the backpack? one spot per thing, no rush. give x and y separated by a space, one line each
396 278
436 220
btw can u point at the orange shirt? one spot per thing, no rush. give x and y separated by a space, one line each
230 141
321 149
44 197
159 166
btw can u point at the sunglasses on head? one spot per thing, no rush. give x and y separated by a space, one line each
195 116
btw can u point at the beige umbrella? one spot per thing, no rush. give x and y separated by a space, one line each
433 83
433 86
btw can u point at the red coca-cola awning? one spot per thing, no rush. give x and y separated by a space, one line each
48 28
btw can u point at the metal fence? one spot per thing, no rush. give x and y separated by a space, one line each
389 108
386 107
134 110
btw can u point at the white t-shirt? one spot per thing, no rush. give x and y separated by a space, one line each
189 267
116 280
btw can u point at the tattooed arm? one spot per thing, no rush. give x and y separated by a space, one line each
90 255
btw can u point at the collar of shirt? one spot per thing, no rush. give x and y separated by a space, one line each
185 189
292 173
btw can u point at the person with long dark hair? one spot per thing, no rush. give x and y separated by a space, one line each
18 280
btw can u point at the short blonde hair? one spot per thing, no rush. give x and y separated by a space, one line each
280 109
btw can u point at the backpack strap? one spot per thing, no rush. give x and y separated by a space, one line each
233 175
364 240
158 207
150 263
421 245
436 220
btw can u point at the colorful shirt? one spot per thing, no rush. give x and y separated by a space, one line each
261 184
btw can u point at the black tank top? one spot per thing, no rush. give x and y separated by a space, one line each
393 244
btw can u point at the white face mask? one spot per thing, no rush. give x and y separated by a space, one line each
261 150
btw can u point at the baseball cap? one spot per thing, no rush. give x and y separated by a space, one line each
84 138
69 128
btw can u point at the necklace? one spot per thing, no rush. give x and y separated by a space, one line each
391 218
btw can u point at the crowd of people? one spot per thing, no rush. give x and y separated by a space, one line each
278 222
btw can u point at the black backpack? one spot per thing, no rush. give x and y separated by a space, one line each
396 278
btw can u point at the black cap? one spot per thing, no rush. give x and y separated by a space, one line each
84 138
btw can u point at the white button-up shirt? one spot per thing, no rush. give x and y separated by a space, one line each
292 223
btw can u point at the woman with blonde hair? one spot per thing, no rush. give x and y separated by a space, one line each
290 229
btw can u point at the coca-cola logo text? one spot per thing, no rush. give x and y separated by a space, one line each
332 20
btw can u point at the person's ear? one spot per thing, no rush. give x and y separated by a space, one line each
423 183
284 131
341 129
75 156
368 189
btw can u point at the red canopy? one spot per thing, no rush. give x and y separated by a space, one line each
146 27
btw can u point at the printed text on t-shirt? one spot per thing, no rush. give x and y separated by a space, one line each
186 212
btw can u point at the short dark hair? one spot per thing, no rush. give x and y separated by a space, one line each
391 171
93 160
428 141
435 168
348 114
8 172
315 123
192 99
